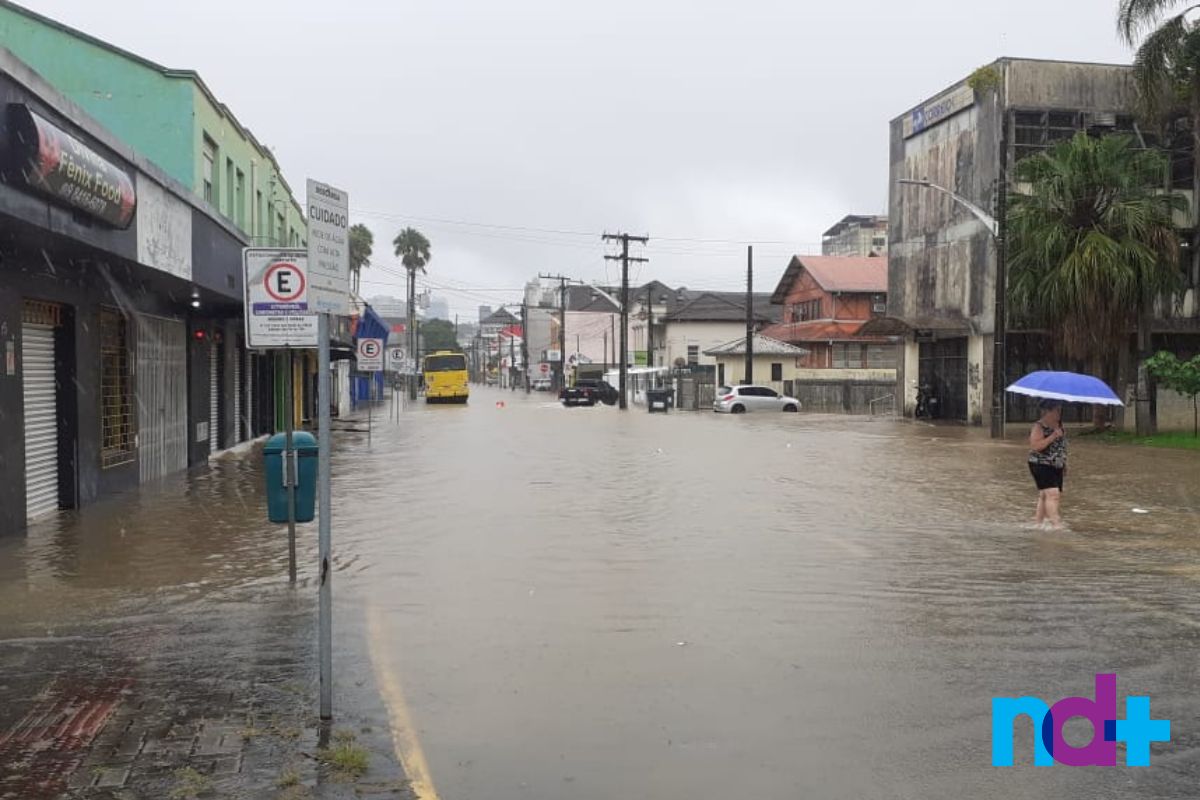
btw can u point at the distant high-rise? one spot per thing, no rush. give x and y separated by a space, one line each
439 308
390 307
856 235
484 312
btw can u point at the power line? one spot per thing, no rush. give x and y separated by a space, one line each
740 242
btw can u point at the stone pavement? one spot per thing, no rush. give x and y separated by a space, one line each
193 697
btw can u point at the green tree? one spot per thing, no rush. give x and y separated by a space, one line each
361 242
412 248
1179 376
439 335
1166 68
1091 243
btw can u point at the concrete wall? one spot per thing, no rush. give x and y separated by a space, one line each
845 397
144 108
1173 412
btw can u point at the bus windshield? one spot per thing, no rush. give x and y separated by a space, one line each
445 363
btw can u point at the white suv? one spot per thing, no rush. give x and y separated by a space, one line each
740 399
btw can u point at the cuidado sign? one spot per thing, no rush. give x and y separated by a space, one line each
278 310
328 248
370 355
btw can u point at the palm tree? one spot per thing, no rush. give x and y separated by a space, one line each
412 248
1166 69
1091 244
361 243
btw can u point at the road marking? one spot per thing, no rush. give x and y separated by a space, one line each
404 733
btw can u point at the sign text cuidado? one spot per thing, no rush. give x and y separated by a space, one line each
328 248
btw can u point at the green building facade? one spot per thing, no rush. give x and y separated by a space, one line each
167 115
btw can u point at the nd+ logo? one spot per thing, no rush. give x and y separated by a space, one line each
1137 730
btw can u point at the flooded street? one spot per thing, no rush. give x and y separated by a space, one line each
578 603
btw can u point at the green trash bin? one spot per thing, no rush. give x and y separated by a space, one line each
305 446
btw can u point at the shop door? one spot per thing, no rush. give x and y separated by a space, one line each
41 419
161 397
943 370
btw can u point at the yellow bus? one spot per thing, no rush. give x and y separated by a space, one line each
445 376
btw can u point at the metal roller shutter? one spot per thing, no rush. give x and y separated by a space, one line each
237 397
162 396
214 395
250 394
41 420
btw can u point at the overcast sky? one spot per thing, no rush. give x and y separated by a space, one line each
754 121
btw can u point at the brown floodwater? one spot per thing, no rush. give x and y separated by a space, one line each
588 604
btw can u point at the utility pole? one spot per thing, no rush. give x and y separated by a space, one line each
525 342
512 360
749 313
649 328
999 339
624 258
562 327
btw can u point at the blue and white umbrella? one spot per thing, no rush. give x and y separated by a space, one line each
1070 387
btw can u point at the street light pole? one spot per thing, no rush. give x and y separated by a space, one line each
997 228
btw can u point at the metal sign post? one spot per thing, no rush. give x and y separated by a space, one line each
278 317
289 466
370 361
329 293
324 536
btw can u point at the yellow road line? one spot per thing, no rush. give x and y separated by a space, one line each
404 733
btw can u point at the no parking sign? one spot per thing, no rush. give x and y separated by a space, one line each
277 305
370 355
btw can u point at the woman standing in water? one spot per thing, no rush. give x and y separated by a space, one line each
1048 462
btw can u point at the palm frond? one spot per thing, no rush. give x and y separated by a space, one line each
1134 17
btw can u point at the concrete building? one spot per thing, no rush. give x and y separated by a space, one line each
120 314
942 288
170 116
856 235
439 308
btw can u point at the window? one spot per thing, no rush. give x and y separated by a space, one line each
229 188
261 215
208 178
693 354
240 208
879 241
776 372
808 310
280 230
116 406
849 356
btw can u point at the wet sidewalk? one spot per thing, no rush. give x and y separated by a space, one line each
152 648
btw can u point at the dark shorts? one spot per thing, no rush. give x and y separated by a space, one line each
1046 476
